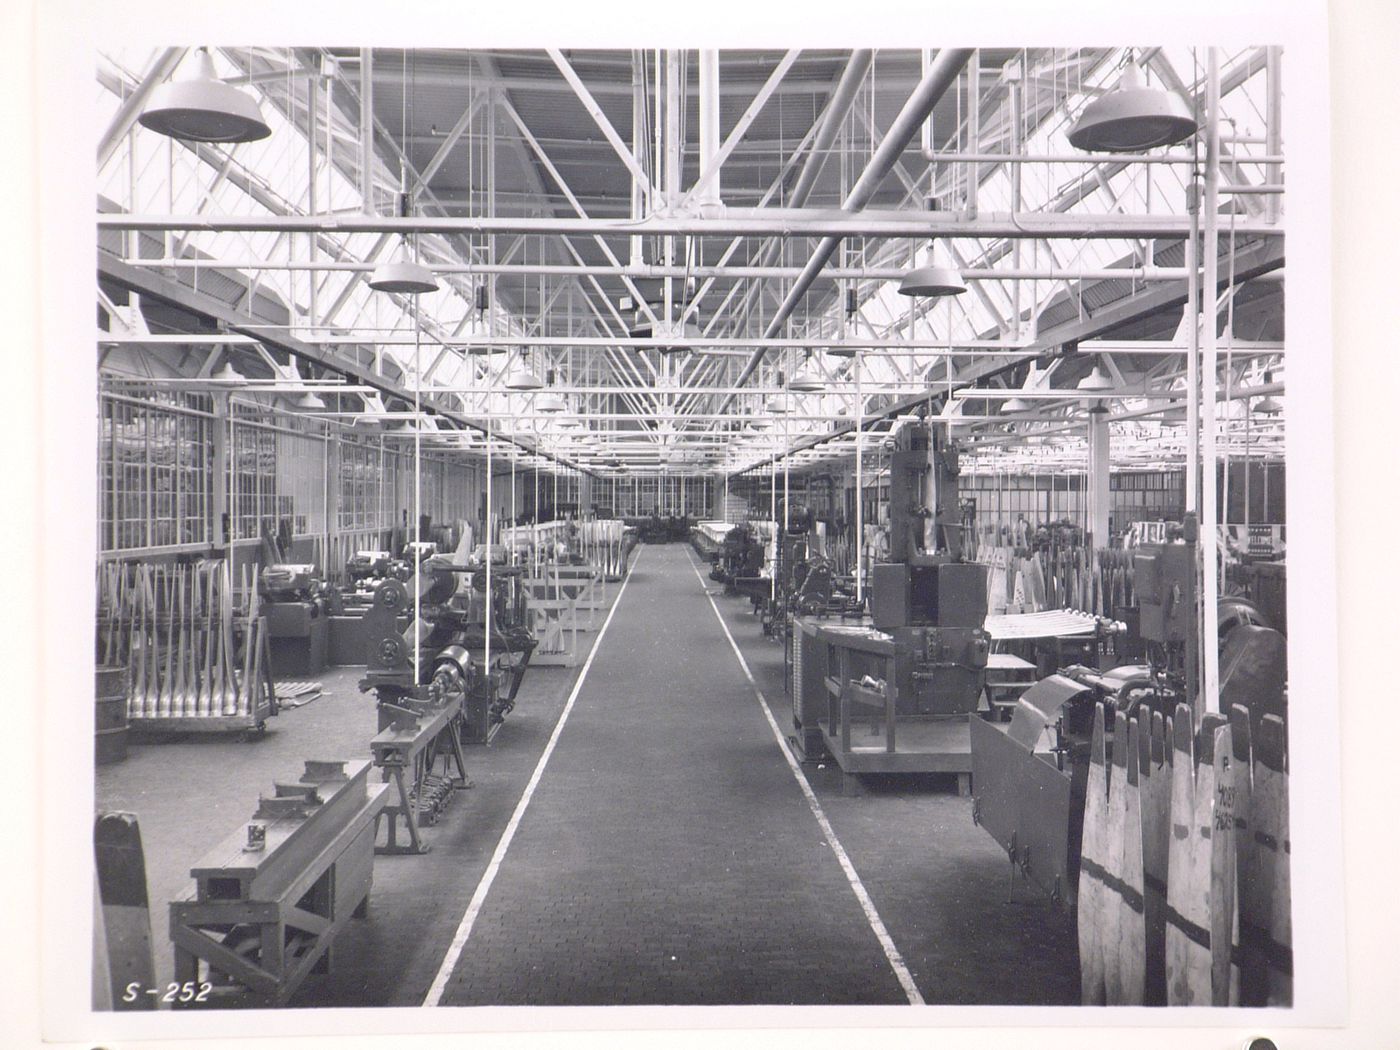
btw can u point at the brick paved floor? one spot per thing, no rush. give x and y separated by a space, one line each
668 856
969 933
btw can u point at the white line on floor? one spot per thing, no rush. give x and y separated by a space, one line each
464 928
901 971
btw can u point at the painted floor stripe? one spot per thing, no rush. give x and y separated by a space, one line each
901 971
464 928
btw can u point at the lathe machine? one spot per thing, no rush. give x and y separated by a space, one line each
450 639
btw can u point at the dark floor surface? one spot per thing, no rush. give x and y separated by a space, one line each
667 856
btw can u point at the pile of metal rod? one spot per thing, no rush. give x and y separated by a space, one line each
173 627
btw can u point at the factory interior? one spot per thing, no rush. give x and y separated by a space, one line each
691 527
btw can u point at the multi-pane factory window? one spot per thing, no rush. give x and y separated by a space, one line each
252 476
1146 496
361 485
640 495
155 454
302 483
1039 499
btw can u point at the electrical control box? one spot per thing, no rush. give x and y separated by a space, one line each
1164 578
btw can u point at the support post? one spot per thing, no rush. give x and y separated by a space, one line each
1098 479
366 130
1210 655
710 195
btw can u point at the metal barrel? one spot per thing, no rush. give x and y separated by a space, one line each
110 716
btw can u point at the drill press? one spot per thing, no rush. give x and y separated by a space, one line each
926 597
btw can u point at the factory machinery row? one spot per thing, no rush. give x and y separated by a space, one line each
1055 684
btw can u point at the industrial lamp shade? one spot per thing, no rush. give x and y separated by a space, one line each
310 402
202 108
403 275
1267 405
229 374
550 403
522 377
806 380
932 281
1098 379
1015 404
1132 118
776 407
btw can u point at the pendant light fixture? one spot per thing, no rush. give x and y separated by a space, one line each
1014 404
403 275
228 374
550 403
931 282
521 376
310 402
374 411
807 379
1096 380
202 108
1132 117
1268 405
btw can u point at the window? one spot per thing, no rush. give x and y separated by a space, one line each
156 456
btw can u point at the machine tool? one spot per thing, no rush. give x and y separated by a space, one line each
805 582
296 604
363 566
926 596
450 643
740 556
919 663
1029 778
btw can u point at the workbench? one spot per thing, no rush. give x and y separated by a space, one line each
262 918
864 728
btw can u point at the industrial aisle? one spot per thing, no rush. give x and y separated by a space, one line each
668 855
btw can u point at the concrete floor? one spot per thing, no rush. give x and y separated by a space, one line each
667 856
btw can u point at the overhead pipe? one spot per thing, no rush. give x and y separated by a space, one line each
941 75
710 194
832 118
841 100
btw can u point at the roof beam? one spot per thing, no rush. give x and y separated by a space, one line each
601 119
743 222
131 106
450 143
